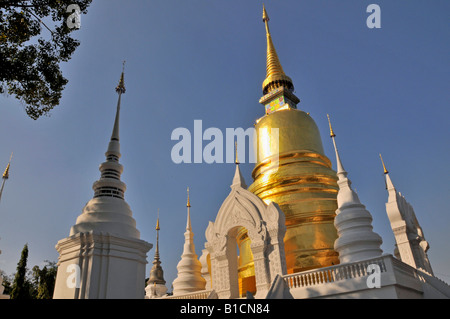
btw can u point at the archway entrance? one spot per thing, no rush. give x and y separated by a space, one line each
245 244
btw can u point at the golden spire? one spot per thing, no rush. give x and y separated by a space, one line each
340 167
157 222
188 201
266 18
384 167
120 88
6 172
331 129
5 176
275 76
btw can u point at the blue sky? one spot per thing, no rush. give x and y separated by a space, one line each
386 90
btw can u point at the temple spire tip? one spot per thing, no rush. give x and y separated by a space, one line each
331 128
6 172
385 171
120 88
188 200
157 222
265 15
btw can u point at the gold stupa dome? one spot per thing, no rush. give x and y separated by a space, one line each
292 170
297 131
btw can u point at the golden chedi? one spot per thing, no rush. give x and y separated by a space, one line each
292 170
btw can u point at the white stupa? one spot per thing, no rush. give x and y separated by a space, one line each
104 257
356 239
189 268
410 244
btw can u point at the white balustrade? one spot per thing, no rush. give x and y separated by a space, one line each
332 274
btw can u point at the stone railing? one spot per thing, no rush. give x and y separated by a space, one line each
203 294
404 268
333 273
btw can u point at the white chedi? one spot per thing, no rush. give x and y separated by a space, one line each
410 244
104 246
356 239
189 268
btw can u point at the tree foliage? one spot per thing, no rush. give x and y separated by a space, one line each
34 39
21 286
35 284
44 280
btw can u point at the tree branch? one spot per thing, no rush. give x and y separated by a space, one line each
19 4
42 22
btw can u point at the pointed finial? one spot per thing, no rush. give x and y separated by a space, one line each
157 222
121 86
340 167
331 129
385 171
188 205
265 15
188 201
6 172
236 161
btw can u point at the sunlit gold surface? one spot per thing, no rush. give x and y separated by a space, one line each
246 266
331 128
188 204
208 262
6 172
120 88
293 171
385 171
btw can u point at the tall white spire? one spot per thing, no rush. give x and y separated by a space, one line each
356 239
189 277
411 245
108 211
346 193
104 242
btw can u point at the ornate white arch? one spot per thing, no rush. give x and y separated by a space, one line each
266 228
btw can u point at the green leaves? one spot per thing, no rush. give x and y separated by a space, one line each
21 286
35 284
34 40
